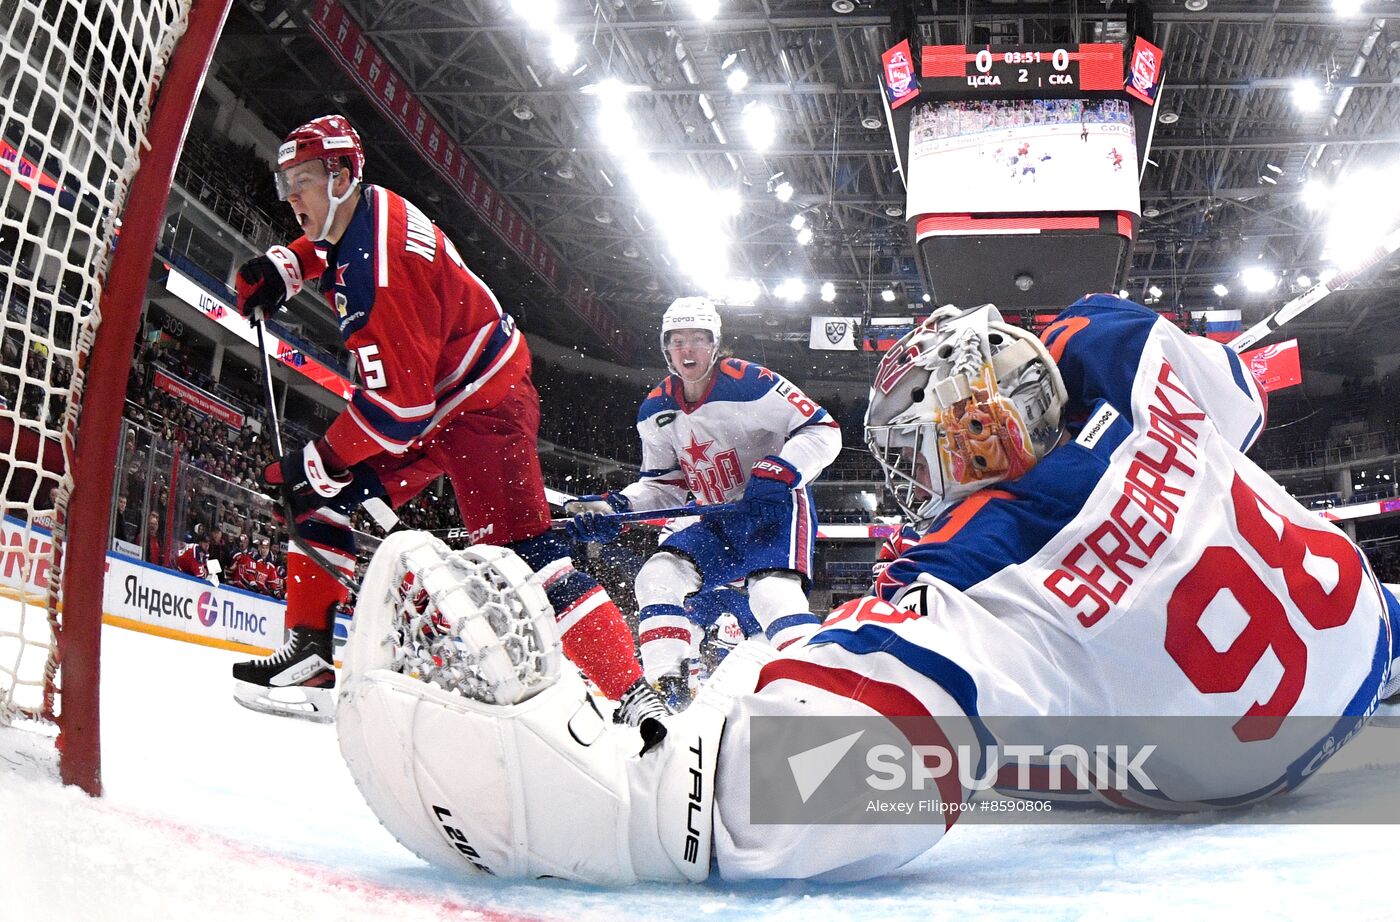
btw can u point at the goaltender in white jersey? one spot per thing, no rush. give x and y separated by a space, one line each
1096 546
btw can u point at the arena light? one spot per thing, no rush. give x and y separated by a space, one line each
616 127
783 191
1346 7
1316 194
736 81
563 51
728 203
1303 280
791 290
1358 218
741 292
1307 95
798 221
538 13
1258 279
704 10
804 236
1154 291
887 295
612 88
1220 290
759 125
828 292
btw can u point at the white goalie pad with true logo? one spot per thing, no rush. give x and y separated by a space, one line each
479 747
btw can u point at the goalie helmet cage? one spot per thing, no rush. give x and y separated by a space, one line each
95 100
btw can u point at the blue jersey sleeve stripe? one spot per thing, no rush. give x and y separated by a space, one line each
385 423
872 638
1237 370
1253 431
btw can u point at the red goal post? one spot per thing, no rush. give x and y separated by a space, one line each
98 97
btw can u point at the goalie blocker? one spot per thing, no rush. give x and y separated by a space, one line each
453 660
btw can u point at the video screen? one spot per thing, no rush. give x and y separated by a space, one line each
1022 155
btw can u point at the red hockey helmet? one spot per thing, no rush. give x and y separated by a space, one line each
330 139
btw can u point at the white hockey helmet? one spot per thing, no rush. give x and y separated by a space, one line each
693 313
961 402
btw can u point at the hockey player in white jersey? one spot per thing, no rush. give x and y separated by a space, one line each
1095 544
722 430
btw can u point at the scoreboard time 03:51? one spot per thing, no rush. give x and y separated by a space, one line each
1041 69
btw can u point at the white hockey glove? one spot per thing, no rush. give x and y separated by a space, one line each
481 754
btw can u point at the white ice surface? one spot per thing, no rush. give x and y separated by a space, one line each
212 812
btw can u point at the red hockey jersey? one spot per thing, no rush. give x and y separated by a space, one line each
430 338
193 560
243 572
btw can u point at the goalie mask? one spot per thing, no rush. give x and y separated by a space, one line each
331 140
690 314
960 403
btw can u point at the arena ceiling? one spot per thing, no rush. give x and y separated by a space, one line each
1230 161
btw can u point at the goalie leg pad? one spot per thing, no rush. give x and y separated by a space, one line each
529 790
537 784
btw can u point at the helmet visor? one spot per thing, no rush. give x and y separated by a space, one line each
298 178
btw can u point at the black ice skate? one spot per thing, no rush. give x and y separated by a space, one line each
296 681
641 707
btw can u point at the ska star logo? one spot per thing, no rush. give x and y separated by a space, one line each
697 450
340 274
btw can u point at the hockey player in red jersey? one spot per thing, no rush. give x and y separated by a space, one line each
243 572
193 558
271 578
444 389
1095 549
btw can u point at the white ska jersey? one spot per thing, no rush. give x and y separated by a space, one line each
1145 568
709 447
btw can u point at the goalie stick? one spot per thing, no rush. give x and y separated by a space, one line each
1389 244
676 512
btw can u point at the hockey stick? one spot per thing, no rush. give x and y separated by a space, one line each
1389 244
676 512
349 582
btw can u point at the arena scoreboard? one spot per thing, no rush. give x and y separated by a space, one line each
1021 164
1044 71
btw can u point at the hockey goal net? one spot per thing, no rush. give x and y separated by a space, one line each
95 97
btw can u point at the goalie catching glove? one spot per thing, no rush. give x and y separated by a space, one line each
501 764
591 517
266 282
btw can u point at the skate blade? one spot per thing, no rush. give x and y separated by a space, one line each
314 704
